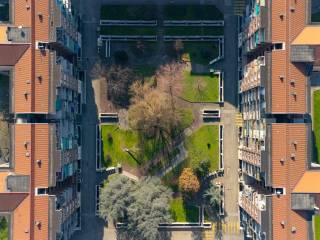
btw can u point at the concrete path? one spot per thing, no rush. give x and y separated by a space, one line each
229 114
92 227
176 161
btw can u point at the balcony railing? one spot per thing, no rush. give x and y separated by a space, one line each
250 156
252 74
253 203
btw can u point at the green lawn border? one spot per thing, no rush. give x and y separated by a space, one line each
184 208
316 227
218 98
316 126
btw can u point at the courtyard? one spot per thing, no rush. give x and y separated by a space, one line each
198 89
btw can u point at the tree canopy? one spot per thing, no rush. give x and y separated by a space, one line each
188 181
143 205
152 114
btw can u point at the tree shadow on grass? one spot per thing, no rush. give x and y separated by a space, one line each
315 150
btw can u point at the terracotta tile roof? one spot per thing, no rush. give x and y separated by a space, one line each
11 53
10 201
309 183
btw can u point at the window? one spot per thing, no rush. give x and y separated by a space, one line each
4 11
41 191
278 46
279 191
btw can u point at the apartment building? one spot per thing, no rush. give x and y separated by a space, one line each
41 90
277 49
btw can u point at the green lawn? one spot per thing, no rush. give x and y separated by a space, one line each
113 148
4 228
187 117
200 88
128 12
192 12
317 227
182 212
195 52
128 30
201 52
204 144
193 31
315 17
171 178
316 125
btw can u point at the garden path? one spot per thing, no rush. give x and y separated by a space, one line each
176 161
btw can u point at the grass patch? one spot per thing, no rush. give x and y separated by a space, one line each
204 144
4 228
192 12
316 223
196 52
200 88
183 212
115 140
315 17
196 144
316 126
171 178
201 52
193 31
128 30
128 12
187 117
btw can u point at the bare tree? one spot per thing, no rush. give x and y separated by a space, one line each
169 79
151 113
118 81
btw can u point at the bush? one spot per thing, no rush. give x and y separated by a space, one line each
121 57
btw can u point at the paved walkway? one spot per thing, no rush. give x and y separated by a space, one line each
92 226
229 115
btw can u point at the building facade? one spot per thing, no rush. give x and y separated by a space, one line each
276 59
41 89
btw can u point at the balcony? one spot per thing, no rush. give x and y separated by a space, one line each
248 155
253 203
64 30
256 26
253 73
55 218
63 77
